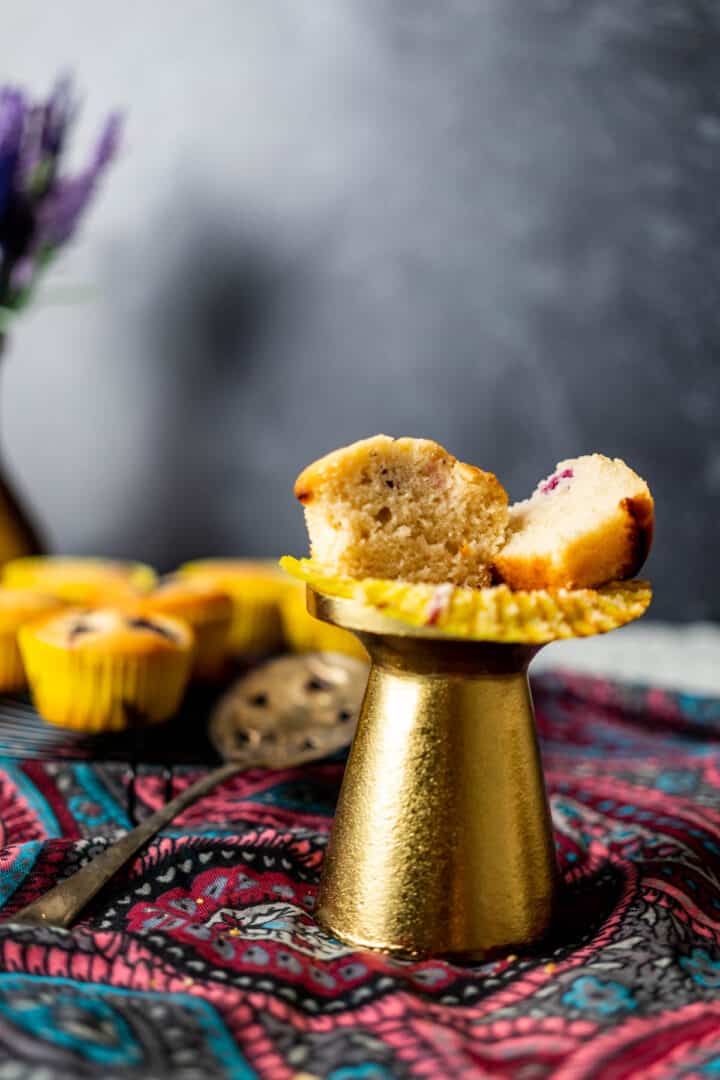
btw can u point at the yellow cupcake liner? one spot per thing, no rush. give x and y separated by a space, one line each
94 691
495 613
303 633
256 590
256 626
87 582
320 577
19 607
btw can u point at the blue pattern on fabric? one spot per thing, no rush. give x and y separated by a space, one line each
32 796
97 806
85 1018
12 879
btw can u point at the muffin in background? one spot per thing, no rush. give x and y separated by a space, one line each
208 610
17 608
304 633
87 582
256 588
105 670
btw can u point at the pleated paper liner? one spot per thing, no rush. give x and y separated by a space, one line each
496 613
303 633
124 676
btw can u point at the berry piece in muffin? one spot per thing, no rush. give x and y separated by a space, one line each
105 670
405 509
588 523
205 607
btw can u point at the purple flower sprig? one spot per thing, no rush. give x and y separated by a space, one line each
40 207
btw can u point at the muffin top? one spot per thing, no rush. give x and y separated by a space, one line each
197 600
19 606
78 580
113 631
238 576
426 454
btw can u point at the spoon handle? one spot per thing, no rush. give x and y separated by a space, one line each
61 905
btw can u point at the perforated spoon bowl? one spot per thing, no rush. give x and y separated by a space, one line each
290 711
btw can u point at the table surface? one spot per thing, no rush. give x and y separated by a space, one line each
659 654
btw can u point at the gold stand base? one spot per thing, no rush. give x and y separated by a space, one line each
442 841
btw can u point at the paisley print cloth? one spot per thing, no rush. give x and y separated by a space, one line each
204 960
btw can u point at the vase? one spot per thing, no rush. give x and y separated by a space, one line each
18 533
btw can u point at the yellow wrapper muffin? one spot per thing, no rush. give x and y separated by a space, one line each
256 589
204 606
493 613
105 670
17 608
303 633
89 582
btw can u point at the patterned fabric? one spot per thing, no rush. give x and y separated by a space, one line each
204 960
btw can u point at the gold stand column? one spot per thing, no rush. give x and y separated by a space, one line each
442 841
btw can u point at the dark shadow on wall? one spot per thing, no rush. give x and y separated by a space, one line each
528 270
209 327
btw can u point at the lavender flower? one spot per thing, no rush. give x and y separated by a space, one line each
39 208
65 202
12 117
57 116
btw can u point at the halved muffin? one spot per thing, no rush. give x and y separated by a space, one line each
405 509
588 523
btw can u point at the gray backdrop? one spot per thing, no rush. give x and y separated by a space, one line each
493 222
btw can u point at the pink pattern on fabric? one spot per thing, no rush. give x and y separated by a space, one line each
217 915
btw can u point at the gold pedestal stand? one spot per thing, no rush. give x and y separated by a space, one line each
442 841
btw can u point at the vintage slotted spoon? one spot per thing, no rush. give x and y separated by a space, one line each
290 711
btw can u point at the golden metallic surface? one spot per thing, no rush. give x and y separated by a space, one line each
442 841
18 532
289 702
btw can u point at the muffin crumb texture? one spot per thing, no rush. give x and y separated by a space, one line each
404 509
407 510
588 523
